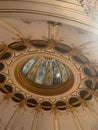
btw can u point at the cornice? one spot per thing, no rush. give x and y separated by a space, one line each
66 13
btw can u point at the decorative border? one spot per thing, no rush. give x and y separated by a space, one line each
81 94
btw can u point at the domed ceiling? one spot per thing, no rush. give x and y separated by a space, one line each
48 66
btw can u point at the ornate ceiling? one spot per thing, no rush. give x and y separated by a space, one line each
48 66
91 8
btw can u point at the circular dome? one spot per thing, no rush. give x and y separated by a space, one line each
45 71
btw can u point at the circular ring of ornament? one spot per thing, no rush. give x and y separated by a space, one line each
54 75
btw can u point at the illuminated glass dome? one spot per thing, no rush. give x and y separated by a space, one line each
46 71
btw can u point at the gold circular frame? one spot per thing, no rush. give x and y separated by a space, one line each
40 89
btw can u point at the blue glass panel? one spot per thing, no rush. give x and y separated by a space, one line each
56 73
41 72
28 65
64 72
49 75
67 71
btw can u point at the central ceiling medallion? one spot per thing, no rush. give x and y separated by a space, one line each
36 68
44 73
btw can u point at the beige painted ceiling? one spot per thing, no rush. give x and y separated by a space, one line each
21 19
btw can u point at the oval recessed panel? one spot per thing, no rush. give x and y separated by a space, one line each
45 71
